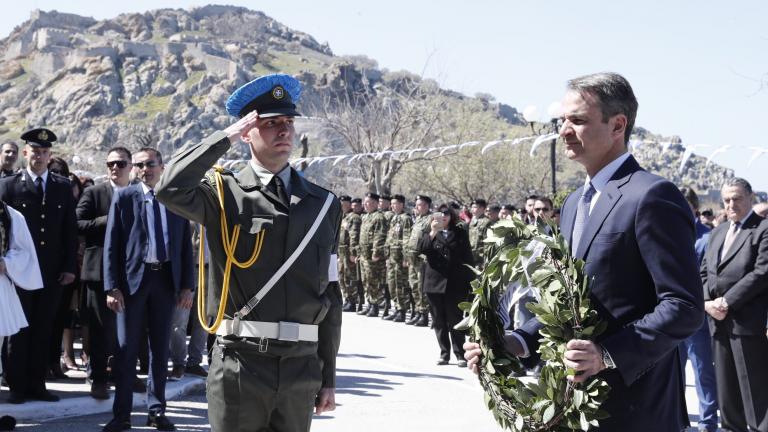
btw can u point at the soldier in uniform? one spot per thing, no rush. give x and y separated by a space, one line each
349 235
372 254
9 154
397 265
357 206
275 354
45 199
384 207
477 231
420 317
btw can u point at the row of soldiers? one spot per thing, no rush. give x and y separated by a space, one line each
378 260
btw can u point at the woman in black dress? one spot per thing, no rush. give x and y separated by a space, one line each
446 279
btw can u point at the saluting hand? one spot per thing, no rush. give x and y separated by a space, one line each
235 130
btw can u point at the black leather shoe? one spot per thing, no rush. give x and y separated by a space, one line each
423 320
138 385
16 398
176 373
116 426
7 423
414 318
55 373
462 363
350 307
160 422
373 311
442 362
44 396
99 391
196 370
365 310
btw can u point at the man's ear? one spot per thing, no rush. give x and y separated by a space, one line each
619 124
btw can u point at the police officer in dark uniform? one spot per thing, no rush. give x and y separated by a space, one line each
273 362
45 199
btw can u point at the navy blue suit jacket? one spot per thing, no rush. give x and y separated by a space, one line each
125 245
638 248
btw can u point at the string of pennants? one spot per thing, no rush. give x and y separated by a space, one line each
485 146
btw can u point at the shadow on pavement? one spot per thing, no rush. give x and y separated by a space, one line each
366 356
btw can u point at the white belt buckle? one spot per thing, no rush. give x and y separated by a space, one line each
288 331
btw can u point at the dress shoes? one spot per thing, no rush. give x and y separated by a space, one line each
99 391
160 422
116 426
43 395
373 311
55 373
176 373
16 398
196 370
414 318
462 363
138 386
7 423
442 362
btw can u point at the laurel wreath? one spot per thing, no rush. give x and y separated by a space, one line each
552 403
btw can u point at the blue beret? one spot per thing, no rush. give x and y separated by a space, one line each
269 95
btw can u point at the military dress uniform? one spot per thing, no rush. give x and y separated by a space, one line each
415 270
49 209
349 277
478 228
373 236
264 382
397 270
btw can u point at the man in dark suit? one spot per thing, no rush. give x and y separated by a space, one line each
635 232
92 213
735 275
45 199
147 271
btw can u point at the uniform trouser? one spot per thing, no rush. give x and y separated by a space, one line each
446 314
28 349
415 265
742 379
374 278
155 300
397 279
275 391
101 331
348 279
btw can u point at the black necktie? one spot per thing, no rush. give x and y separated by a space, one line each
39 186
582 215
159 237
278 188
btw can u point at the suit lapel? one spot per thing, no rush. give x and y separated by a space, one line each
569 211
738 242
609 196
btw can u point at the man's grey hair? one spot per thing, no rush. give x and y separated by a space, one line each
738 181
614 94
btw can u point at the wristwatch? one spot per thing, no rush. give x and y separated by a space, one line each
607 360
112 291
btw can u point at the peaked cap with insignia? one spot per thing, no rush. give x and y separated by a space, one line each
39 137
271 96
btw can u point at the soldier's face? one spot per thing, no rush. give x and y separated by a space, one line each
505 214
9 154
370 205
422 207
477 210
271 141
147 168
397 206
346 206
383 204
37 158
356 208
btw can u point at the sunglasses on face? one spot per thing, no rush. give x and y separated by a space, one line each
119 163
148 164
541 209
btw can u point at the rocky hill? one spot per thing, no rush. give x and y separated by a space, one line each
161 78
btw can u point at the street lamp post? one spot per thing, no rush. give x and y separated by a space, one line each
531 115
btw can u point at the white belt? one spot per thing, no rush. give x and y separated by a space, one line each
283 330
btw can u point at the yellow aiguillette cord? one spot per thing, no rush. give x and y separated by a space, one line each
229 249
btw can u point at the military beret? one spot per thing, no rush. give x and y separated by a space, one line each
480 202
386 197
270 95
372 195
39 137
494 207
424 198
345 198
357 200
509 208
399 198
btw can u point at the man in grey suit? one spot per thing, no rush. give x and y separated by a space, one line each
147 271
735 276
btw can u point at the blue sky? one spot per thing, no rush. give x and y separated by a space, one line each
697 67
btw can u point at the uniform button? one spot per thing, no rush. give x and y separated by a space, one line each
42 229
42 216
42 243
23 205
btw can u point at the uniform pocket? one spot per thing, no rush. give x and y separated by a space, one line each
252 224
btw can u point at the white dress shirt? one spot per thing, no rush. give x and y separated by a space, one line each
34 177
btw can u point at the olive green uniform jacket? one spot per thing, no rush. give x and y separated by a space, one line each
304 294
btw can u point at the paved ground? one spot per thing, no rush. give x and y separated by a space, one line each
387 378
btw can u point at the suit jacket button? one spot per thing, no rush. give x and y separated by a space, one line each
23 205
42 216
42 229
42 243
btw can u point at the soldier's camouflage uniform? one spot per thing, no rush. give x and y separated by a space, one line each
349 238
397 270
373 236
415 262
